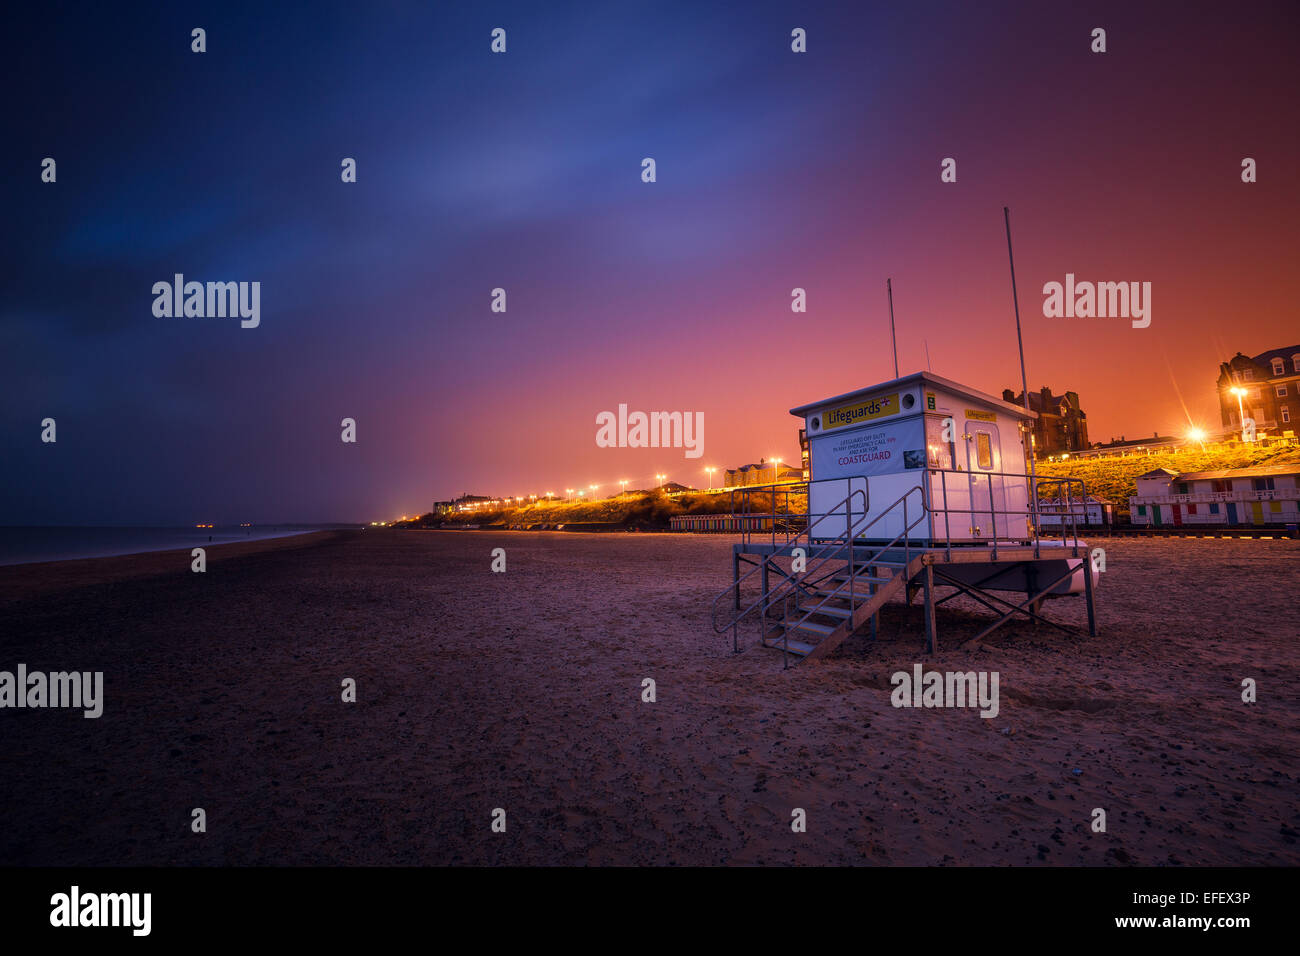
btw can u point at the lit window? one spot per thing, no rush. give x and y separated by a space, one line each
984 451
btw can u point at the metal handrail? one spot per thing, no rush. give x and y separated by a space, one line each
786 488
851 583
765 599
830 550
1030 511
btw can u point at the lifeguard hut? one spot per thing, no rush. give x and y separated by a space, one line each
915 483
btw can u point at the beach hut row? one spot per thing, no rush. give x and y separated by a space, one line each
1263 495
719 523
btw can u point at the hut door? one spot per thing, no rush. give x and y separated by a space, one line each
988 493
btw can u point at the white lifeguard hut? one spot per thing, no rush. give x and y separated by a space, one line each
951 445
916 483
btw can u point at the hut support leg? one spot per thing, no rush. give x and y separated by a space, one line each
735 576
931 636
1087 588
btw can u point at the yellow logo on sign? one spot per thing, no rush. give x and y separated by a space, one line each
880 407
978 416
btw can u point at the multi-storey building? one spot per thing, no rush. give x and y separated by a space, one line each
1061 425
1270 381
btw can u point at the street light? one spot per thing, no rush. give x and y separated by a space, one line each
593 489
709 472
661 479
776 464
1241 410
568 494
623 483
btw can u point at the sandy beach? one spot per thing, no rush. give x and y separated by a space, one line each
522 691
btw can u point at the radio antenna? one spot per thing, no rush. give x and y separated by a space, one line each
889 288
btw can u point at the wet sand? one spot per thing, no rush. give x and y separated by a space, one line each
522 691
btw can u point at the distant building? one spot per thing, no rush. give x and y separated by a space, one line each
1061 425
1271 380
1156 444
763 473
456 504
1265 494
803 453
1093 512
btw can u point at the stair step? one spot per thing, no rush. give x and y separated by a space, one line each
775 641
812 627
829 610
845 592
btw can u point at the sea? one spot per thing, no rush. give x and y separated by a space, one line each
20 545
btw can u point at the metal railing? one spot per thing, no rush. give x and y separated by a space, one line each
787 524
1063 498
874 562
766 565
1036 490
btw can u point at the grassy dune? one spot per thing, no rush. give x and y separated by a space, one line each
647 509
1113 478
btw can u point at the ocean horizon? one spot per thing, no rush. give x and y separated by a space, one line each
34 544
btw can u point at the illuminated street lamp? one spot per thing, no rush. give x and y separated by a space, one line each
709 472
593 489
568 494
776 464
1241 410
623 484
661 479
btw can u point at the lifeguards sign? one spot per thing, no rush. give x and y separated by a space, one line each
882 406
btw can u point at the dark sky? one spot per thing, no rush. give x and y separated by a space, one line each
522 171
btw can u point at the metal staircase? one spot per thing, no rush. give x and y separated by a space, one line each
810 613
816 619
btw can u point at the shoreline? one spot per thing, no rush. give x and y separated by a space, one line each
34 578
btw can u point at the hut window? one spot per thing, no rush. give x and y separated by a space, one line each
939 453
984 451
